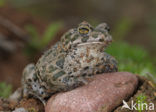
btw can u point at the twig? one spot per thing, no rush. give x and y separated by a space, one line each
14 29
6 46
152 77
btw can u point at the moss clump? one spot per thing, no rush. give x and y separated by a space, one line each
5 90
131 58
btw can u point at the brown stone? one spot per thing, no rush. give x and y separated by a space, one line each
103 94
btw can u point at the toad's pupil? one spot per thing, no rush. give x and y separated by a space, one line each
83 31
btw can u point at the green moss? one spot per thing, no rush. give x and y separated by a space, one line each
132 58
140 100
5 90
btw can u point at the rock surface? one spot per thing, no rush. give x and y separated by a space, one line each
103 94
146 88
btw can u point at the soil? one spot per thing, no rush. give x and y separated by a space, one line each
31 104
145 87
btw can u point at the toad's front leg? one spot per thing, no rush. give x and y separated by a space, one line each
109 64
63 81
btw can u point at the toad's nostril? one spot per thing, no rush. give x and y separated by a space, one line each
84 39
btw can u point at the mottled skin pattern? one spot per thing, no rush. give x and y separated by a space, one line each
70 62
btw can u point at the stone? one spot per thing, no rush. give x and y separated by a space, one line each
103 94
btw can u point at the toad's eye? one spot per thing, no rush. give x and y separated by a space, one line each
83 30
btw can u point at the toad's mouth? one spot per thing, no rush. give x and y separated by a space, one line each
91 43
